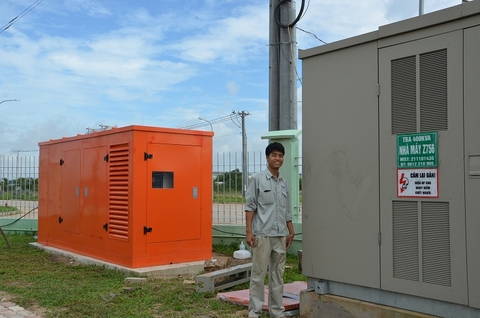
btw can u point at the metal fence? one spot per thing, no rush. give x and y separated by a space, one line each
19 185
229 202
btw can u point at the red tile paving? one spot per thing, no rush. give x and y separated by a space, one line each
291 296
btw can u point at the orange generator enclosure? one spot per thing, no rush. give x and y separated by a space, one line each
134 196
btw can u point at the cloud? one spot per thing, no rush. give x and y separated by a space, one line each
234 39
29 136
104 66
233 88
91 8
79 63
332 20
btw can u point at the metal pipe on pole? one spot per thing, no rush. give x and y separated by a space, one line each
287 80
273 95
282 60
244 154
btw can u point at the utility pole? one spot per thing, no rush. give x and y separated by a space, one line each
234 118
283 87
282 60
244 114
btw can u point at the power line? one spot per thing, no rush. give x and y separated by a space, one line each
312 34
229 117
18 17
240 123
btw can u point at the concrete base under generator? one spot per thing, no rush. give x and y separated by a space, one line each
187 269
331 306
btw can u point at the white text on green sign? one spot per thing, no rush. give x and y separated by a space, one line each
417 150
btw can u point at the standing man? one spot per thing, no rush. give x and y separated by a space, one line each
269 232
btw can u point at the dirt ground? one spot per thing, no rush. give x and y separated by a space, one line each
63 259
37 310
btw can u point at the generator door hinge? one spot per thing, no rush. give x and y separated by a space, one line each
60 220
146 230
105 227
147 156
106 158
378 89
379 238
62 162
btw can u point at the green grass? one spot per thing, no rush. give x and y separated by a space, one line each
35 278
233 197
228 197
19 196
7 209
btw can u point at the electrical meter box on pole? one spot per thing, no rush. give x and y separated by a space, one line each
134 196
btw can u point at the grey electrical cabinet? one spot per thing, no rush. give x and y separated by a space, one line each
391 163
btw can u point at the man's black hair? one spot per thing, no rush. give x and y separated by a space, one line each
274 146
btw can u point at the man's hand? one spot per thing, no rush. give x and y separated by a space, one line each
291 235
248 228
250 239
289 240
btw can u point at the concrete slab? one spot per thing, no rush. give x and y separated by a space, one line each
188 269
331 306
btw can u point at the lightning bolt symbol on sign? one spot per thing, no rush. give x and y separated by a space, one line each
403 183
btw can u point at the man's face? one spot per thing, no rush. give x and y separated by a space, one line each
275 159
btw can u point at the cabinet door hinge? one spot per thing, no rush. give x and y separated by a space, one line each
378 89
379 238
106 158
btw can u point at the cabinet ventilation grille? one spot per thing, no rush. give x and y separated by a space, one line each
405 240
118 181
436 261
404 95
423 76
433 91
433 236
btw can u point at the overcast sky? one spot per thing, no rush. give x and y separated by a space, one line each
77 64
